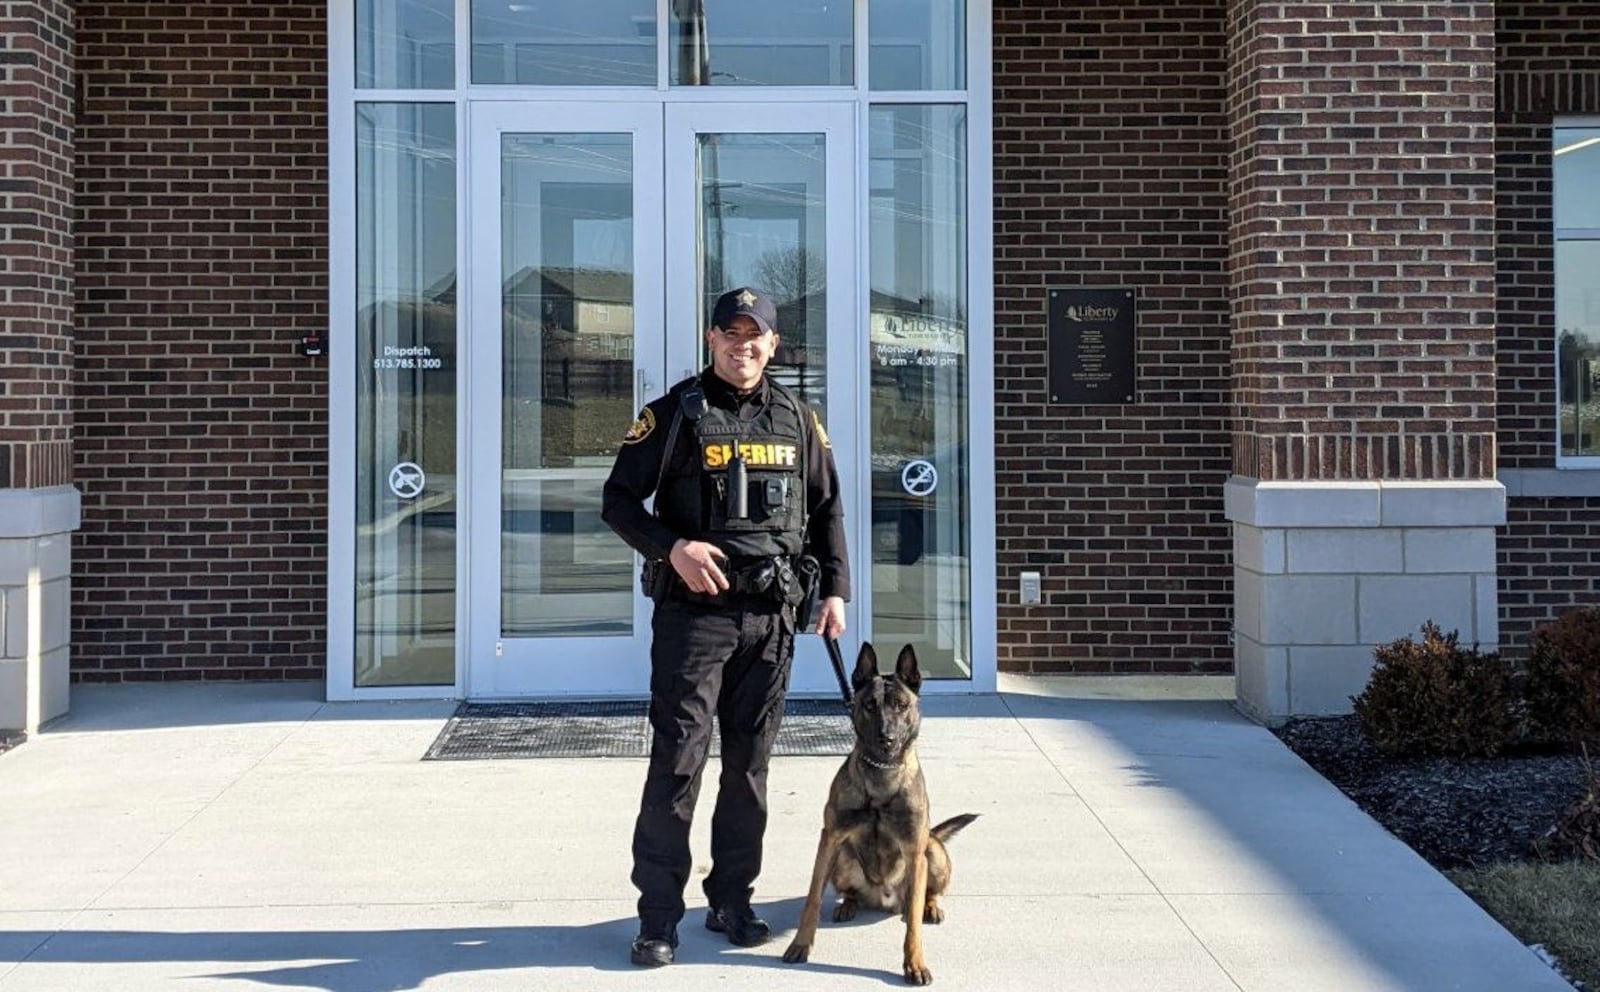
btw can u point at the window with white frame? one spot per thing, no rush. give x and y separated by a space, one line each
1576 215
407 80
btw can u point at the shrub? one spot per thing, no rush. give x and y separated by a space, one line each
1576 833
1436 697
1563 681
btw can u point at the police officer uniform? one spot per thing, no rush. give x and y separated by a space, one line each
730 653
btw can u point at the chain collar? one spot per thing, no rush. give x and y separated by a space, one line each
878 764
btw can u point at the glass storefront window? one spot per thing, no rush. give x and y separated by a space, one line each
568 346
1577 274
405 394
917 242
917 44
593 43
763 223
761 43
587 223
405 44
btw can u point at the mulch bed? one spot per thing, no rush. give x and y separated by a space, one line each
1455 812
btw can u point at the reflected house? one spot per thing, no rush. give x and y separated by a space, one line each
568 348
568 353
568 358
583 321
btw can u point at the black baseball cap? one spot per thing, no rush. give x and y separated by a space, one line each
745 300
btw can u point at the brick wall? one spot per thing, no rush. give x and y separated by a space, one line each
35 244
201 257
201 438
1548 61
1111 170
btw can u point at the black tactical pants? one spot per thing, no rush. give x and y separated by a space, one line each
732 660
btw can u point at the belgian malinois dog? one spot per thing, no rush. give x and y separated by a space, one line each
877 848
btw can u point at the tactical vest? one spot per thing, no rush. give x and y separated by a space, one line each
694 502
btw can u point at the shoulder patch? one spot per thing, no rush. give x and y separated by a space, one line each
641 428
822 435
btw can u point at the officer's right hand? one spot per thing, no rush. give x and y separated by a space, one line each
696 563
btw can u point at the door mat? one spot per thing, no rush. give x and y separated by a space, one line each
612 729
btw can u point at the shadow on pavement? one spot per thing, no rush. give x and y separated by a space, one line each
385 960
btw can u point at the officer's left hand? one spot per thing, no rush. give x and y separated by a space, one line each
831 621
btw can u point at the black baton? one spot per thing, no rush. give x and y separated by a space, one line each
838 667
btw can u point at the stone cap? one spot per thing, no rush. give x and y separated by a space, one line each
37 512
1396 503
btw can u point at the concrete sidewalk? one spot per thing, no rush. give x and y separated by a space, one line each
204 838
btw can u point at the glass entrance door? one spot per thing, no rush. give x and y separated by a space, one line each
566 343
764 195
601 236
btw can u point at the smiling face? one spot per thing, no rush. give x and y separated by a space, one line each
740 352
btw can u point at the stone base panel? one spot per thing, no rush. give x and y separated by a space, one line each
1324 573
35 604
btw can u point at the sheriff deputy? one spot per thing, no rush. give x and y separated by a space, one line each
747 515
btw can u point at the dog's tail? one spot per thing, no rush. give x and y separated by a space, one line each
949 828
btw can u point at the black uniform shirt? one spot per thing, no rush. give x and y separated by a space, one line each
638 468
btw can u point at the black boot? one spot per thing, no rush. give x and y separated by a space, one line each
741 924
653 947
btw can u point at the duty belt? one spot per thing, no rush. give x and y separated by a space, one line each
773 578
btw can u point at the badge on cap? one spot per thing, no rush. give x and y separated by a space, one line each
747 298
641 428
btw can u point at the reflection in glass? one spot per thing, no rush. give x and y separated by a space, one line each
918 389
1576 169
763 223
761 43
917 44
405 394
405 44
1578 346
592 43
567 311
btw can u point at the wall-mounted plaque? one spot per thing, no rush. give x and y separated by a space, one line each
1091 345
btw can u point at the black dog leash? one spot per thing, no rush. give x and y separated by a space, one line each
835 656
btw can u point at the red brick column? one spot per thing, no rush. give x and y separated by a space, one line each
1362 239
1362 262
38 506
36 244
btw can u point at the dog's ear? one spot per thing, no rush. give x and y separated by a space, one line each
906 670
866 668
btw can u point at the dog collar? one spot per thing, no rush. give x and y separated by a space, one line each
877 764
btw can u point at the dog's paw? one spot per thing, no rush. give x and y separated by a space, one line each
917 973
934 913
844 910
797 953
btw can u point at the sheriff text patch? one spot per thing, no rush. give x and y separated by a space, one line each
767 453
